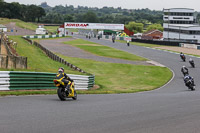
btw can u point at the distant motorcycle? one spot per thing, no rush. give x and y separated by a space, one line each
183 57
113 40
185 71
192 63
189 82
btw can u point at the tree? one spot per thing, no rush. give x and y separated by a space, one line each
39 13
155 26
68 18
90 17
135 27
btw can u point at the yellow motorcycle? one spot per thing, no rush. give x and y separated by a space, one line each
62 92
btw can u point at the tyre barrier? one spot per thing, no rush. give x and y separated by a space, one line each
17 80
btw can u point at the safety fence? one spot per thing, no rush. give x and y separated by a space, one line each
16 80
10 59
44 36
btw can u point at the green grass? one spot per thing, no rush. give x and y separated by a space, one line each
111 77
6 20
105 51
141 44
37 60
122 78
51 28
19 23
26 25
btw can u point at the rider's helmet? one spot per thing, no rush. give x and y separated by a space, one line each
183 66
190 59
61 69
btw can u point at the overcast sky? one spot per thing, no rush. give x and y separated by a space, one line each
128 4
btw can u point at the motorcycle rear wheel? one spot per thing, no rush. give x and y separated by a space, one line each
75 95
192 88
61 93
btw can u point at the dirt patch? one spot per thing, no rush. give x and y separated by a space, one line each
95 87
181 49
3 50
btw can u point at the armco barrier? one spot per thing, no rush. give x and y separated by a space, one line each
15 80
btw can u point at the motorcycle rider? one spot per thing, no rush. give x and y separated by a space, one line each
64 78
182 55
113 38
187 78
191 60
184 70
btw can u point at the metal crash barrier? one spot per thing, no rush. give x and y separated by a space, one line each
16 80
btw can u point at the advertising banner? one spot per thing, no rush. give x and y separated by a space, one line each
94 26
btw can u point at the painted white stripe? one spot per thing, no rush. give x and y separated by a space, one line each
81 88
4 86
4 82
72 75
4 72
4 89
4 76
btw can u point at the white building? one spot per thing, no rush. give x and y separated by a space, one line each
179 25
40 31
3 28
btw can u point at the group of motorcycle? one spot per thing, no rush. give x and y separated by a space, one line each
189 81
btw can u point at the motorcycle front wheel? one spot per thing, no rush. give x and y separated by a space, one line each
61 93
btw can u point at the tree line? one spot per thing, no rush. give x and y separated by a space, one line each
134 19
14 10
69 13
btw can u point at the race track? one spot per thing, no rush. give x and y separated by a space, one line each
169 109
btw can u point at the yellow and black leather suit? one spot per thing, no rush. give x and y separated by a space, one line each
64 78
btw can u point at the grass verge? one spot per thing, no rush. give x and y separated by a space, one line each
19 23
141 44
122 78
37 60
101 50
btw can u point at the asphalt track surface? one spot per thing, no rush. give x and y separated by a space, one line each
170 109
